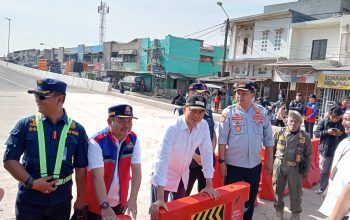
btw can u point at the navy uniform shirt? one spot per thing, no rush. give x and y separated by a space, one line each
24 140
245 133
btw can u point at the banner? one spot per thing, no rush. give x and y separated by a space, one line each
297 77
334 81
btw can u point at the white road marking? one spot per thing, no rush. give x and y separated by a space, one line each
15 83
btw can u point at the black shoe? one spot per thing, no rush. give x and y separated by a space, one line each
319 191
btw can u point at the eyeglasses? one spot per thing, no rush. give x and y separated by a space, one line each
42 97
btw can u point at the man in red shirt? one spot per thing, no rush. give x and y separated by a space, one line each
311 111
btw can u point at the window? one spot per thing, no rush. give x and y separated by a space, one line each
128 58
264 38
204 59
237 71
278 39
245 45
262 71
319 48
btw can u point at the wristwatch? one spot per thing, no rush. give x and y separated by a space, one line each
104 205
29 183
221 161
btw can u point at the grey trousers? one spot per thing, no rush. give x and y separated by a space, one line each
325 168
283 173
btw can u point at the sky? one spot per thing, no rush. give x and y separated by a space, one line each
68 23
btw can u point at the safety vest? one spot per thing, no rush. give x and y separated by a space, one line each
309 109
42 148
107 143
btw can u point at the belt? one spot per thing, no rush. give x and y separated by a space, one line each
289 163
64 180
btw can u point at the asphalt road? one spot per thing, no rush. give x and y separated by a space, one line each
90 109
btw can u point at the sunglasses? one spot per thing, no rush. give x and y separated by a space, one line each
42 97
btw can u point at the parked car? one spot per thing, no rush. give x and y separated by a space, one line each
131 83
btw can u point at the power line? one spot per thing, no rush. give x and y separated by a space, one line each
203 30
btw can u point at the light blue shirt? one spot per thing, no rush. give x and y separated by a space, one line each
245 133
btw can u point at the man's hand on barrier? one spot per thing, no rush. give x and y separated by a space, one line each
223 170
153 210
131 207
211 192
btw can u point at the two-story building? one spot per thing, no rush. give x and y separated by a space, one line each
318 60
259 40
176 62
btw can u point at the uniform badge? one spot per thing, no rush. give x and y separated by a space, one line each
238 128
127 111
73 126
32 122
237 117
223 117
130 145
280 147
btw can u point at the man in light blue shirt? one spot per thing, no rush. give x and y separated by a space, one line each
244 128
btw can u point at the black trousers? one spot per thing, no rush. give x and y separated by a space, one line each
195 174
249 175
181 192
309 128
25 211
118 210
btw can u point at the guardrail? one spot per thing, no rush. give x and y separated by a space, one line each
88 84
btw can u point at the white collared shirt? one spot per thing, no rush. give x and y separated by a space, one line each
95 158
340 180
175 154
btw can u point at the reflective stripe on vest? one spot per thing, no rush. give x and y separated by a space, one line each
42 148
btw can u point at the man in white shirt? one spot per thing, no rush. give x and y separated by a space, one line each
339 176
113 152
181 138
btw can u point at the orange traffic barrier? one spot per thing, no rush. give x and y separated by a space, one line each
217 180
229 205
124 217
314 173
265 186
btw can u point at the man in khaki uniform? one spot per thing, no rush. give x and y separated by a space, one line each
292 163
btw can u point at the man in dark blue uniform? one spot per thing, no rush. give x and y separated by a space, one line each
52 145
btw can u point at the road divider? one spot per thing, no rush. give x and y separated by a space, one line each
77 82
229 205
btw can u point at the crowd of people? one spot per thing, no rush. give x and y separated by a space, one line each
106 165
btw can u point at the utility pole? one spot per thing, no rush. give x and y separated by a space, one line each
103 10
225 41
8 38
225 48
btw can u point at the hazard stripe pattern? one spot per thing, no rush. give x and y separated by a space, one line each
216 213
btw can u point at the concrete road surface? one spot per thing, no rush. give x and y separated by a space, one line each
90 109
